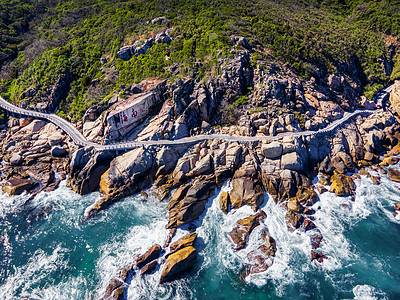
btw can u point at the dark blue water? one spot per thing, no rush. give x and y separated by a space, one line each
56 256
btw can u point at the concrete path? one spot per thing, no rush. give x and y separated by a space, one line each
80 140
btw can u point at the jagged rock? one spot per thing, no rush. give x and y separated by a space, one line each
171 235
57 151
203 166
18 186
186 241
318 256
394 174
272 150
342 185
389 161
16 159
129 167
188 205
117 286
159 20
224 202
178 262
162 38
394 97
262 258
241 232
292 161
149 268
87 166
293 220
246 191
294 205
151 254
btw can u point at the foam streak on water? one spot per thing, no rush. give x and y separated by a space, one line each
56 256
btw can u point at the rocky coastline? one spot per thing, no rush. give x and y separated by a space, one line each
37 155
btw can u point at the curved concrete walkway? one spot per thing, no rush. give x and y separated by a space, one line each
80 140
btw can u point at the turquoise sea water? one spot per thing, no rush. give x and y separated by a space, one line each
54 255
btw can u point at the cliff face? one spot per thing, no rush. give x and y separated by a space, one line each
395 97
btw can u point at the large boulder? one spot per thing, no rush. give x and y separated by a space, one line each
186 241
189 201
272 150
342 185
241 232
16 159
128 167
292 161
151 254
246 191
394 174
18 186
87 166
177 263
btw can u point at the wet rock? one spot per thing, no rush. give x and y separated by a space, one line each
151 254
171 235
178 262
324 180
389 161
149 268
294 220
183 242
306 196
262 258
117 286
295 206
397 210
394 174
17 186
224 202
342 185
318 256
241 232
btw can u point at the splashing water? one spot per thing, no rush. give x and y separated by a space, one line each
54 255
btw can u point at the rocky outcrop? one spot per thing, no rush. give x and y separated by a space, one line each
117 286
342 185
129 167
87 166
394 174
178 262
186 241
397 210
189 201
260 259
241 232
17 186
151 254
394 97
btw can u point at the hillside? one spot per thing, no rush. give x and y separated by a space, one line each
52 49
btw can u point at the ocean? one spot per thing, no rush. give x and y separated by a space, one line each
47 252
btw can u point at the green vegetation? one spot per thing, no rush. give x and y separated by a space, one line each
65 40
